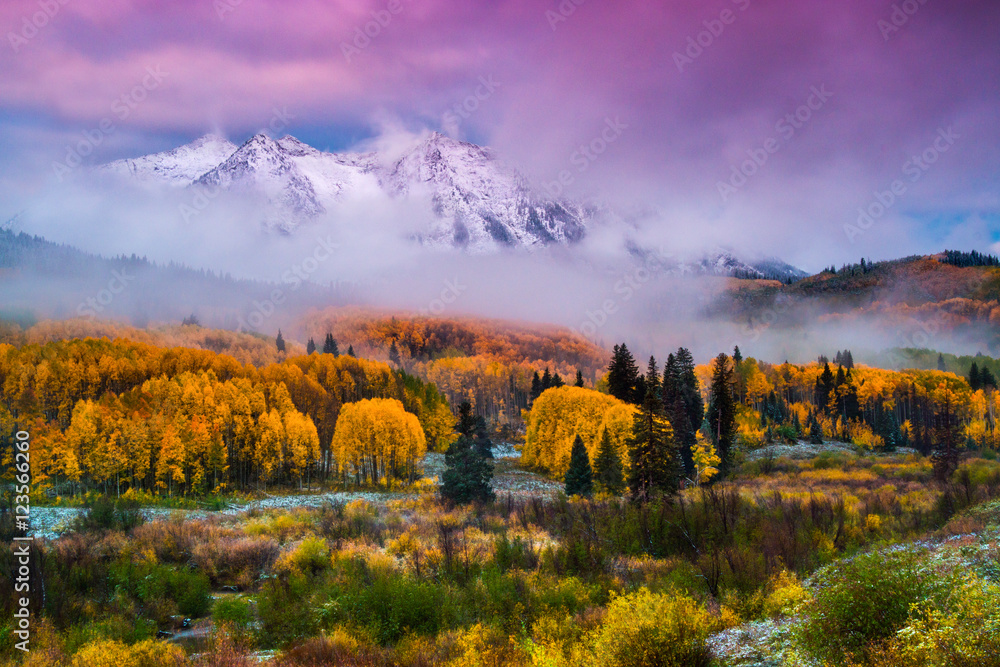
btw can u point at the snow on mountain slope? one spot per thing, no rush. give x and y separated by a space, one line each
261 166
481 204
474 201
176 168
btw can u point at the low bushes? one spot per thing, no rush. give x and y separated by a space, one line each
863 601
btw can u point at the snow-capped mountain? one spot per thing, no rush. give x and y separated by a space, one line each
474 201
175 168
479 202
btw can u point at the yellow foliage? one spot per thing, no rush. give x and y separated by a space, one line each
148 653
705 459
377 439
644 628
560 414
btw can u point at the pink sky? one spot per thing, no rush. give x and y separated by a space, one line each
563 70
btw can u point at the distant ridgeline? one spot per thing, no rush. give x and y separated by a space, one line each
974 258
40 279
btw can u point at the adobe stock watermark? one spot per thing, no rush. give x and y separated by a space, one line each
697 44
22 543
625 290
899 16
449 295
203 195
785 128
225 7
463 110
563 11
32 25
586 154
294 277
370 30
92 305
913 170
121 108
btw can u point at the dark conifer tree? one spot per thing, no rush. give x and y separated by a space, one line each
280 342
947 435
330 345
557 381
310 346
722 412
350 350
536 386
468 474
579 378
737 356
815 431
394 353
940 363
974 379
546 379
579 478
655 461
623 374
608 468
986 378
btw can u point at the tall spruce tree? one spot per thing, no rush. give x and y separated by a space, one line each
394 353
579 378
815 431
310 346
623 374
468 474
655 461
350 351
940 362
579 477
974 379
280 342
330 345
722 412
536 386
947 434
609 471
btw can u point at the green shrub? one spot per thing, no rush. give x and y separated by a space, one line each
862 601
286 611
235 616
967 633
106 514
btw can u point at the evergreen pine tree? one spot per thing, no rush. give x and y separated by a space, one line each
280 342
655 460
536 386
737 356
310 346
579 378
330 345
815 431
350 350
557 381
579 478
986 378
974 379
468 475
947 434
394 353
623 374
608 468
546 379
722 412
940 362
